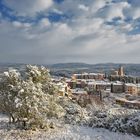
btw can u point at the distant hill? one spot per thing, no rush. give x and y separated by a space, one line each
67 69
70 68
6 66
70 65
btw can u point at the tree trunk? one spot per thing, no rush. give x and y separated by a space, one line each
24 124
11 118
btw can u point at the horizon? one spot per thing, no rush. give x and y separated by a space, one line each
65 31
115 63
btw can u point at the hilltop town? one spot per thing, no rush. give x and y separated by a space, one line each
116 83
123 89
34 101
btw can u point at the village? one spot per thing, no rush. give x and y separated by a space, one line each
116 87
33 100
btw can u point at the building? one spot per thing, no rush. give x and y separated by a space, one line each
63 88
96 76
102 85
114 73
118 73
117 87
121 71
79 91
131 88
71 83
129 104
138 88
91 85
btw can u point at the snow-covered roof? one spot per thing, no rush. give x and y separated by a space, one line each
78 91
90 80
125 100
130 84
91 83
118 83
61 84
68 80
102 83
138 85
96 74
78 74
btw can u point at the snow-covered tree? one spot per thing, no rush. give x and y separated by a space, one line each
9 87
41 75
29 98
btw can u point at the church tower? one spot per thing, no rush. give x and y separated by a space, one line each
121 71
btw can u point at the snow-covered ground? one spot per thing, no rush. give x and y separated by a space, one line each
67 132
86 133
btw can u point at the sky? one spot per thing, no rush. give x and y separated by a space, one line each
60 31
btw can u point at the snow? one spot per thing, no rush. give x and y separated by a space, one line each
65 132
87 133
3 118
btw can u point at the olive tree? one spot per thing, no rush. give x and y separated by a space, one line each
29 97
9 87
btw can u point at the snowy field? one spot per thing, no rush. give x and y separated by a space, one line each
67 132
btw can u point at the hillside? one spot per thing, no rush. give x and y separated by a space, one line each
70 68
67 69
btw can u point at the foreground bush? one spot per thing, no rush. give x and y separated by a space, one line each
29 98
117 120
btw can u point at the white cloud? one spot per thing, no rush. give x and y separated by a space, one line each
28 7
136 13
113 10
88 41
83 7
82 38
21 25
97 4
57 11
45 22
132 12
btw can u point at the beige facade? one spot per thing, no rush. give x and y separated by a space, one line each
96 76
131 89
138 87
121 71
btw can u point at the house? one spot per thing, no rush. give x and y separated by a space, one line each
131 88
102 85
91 85
119 72
126 103
79 91
117 87
71 83
138 88
63 89
96 76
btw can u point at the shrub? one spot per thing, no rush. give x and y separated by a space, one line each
29 98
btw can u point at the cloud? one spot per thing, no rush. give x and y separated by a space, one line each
57 11
28 7
83 7
45 22
132 12
113 10
97 4
91 33
21 25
